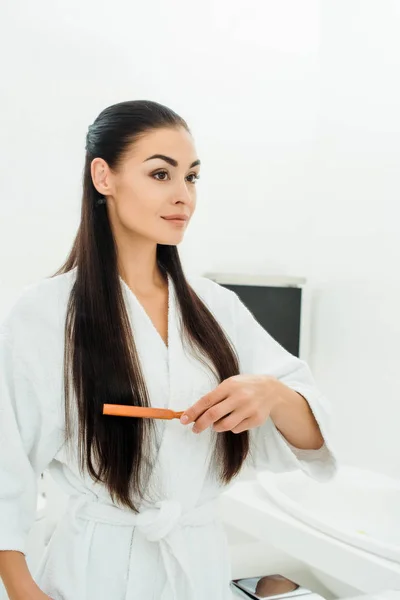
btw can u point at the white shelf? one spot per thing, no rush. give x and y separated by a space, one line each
246 279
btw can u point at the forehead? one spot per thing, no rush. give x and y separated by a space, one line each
177 143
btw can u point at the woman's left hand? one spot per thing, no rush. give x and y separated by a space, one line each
239 403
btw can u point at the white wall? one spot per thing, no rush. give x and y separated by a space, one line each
355 235
294 106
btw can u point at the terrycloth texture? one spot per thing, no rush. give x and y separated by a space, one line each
175 549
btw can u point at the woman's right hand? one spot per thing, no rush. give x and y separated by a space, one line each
41 596
17 579
36 594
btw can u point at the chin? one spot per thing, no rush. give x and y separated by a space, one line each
170 240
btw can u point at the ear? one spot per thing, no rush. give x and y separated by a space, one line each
101 176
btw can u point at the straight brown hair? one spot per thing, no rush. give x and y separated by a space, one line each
116 450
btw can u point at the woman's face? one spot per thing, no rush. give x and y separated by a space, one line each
145 190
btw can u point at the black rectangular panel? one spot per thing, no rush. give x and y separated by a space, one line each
277 309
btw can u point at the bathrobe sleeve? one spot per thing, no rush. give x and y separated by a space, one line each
259 352
27 444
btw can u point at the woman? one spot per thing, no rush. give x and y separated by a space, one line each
120 323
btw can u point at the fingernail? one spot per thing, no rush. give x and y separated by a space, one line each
184 419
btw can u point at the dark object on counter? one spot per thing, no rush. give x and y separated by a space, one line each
268 586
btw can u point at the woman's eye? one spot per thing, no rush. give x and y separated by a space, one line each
160 173
193 175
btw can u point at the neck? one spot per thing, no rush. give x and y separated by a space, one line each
137 265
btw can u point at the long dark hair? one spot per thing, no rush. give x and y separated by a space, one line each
100 357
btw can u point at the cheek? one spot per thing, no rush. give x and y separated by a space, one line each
134 214
133 202
139 212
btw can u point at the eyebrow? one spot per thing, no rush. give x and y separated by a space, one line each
171 161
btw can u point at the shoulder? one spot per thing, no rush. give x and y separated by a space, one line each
222 302
227 307
39 306
211 292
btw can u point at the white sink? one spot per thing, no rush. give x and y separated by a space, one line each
359 507
342 530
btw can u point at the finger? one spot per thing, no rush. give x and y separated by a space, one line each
245 425
214 414
205 403
228 423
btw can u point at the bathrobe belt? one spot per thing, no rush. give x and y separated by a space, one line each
162 524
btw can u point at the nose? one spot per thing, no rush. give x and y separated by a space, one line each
183 193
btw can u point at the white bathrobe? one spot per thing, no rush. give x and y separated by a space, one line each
175 549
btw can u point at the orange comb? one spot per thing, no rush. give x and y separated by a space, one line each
122 410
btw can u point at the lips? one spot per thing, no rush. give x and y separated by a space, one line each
176 218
